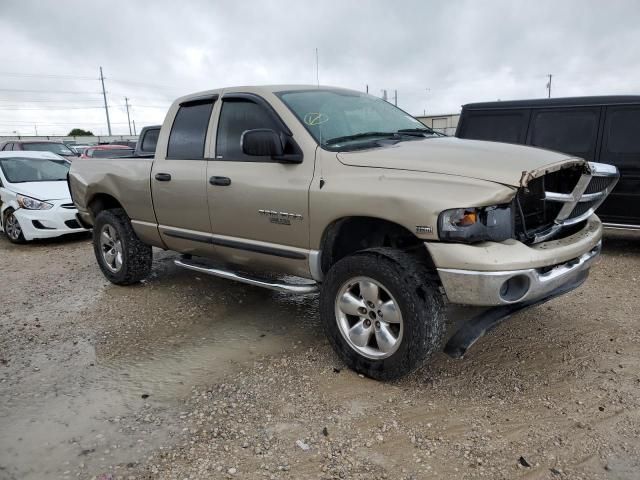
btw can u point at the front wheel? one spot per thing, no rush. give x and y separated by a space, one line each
12 228
122 257
382 312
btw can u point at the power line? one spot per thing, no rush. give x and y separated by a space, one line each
17 108
44 75
47 91
81 77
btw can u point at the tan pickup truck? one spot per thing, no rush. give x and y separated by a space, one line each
386 218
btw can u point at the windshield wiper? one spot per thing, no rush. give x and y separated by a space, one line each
345 138
420 131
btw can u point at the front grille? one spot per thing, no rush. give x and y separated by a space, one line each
559 203
598 184
68 205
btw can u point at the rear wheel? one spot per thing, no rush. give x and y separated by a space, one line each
383 312
122 257
12 228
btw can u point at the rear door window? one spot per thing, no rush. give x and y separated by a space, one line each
509 126
189 131
573 131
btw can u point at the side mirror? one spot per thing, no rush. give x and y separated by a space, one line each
261 142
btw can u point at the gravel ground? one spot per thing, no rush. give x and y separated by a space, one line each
189 377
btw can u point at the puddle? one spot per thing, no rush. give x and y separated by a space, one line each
76 412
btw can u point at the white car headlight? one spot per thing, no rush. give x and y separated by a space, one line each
32 204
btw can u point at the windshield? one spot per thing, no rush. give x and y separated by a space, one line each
340 119
59 148
20 170
112 153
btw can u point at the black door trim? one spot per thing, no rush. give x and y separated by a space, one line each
276 252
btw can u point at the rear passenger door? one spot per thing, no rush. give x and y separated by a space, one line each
621 147
573 131
179 182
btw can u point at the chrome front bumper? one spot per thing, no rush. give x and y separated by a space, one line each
486 288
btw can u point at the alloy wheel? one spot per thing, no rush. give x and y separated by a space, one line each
369 318
111 248
13 228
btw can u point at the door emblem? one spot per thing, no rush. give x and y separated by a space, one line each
280 218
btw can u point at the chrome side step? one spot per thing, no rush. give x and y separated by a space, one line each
257 282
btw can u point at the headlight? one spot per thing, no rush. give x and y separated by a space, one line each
32 204
471 225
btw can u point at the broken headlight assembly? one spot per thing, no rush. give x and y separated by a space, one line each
471 225
29 203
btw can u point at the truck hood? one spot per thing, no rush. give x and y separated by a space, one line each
42 190
513 165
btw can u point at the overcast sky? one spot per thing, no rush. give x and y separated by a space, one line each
438 55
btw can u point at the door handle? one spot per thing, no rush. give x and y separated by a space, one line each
221 181
163 177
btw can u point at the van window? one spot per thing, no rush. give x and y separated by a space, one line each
570 131
189 131
623 130
504 126
237 116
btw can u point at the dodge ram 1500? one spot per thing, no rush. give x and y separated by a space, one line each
388 220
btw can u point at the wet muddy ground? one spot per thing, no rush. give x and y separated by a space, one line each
186 376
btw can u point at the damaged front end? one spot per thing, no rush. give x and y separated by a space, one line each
553 204
556 238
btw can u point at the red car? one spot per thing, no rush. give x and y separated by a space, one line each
108 151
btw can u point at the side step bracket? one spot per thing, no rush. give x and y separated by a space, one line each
300 288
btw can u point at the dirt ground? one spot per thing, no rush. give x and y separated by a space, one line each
190 377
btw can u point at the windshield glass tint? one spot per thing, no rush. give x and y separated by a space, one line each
331 114
18 170
112 153
59 148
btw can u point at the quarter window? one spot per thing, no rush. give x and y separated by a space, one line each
238 116
189 131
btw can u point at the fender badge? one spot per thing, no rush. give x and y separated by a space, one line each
423 229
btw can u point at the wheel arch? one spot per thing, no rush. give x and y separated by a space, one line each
348 235
102 201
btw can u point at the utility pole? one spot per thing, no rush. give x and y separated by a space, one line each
395 97
367 88
126 102
384 95
35 127
134 127
549 85
106 108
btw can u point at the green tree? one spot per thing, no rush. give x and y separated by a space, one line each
78 132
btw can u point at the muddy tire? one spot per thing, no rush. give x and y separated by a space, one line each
382 312
12 228
122 257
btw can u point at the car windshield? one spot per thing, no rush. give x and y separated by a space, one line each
340 119
20 170
57 148
112 153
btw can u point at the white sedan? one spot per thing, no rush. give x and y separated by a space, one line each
34 196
